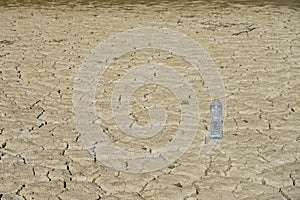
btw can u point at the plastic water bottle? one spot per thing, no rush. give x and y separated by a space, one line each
216 119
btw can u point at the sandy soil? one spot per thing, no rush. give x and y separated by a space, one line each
256 49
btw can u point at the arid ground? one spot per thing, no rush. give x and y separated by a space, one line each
254 45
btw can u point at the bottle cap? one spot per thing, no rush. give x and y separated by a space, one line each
216 97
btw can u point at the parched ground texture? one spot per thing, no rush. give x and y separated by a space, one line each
256 48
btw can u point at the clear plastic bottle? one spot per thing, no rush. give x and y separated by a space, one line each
216 119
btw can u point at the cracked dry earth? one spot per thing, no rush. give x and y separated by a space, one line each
255 47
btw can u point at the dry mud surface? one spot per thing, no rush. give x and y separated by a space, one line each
256 48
